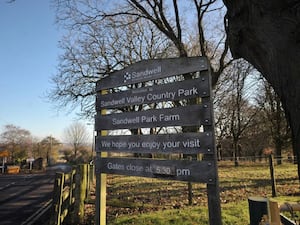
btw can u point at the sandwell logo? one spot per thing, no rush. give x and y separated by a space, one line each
142 75
127 77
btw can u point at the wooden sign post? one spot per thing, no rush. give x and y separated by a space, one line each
147 78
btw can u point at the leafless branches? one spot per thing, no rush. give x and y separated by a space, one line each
101 38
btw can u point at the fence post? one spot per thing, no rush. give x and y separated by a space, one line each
274 213
88 184
90 181
80 193
271 162
72 186
71 199
100 205
92 174
57 199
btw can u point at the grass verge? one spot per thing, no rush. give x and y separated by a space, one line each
136 200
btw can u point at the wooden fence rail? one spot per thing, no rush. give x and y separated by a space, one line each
70 192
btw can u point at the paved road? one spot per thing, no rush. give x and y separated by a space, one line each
22 195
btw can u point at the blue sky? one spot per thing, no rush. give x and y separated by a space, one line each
28 58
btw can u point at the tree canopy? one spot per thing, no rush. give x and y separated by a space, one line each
100 40
17 141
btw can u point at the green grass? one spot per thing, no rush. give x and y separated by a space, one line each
232 214
135 200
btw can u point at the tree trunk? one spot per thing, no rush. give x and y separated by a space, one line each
235 154
267 34
278 152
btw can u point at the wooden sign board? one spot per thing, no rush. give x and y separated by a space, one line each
157 93
192 115
183 170
152 69
186 143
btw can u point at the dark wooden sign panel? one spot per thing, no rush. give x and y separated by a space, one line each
183 170
157 93
186 143
152 69
192 115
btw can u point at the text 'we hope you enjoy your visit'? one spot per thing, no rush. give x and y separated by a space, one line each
191 143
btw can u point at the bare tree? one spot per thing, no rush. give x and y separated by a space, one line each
169 20
234 113
101 40
96 48
77 135
268 126
48 148
256 136
17 140
275 119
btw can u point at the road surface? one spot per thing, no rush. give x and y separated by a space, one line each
22 195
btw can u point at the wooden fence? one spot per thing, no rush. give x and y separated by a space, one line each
264 211
70 192
275 209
